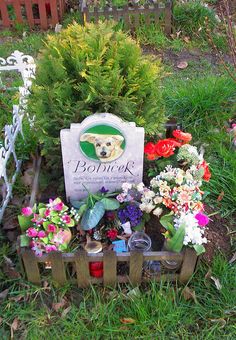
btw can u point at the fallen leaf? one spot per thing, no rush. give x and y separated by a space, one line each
14 327
182 65
127 320
28 177
189 294
133 293
221 196
187 39
3 295
221 321
1 320
9 269
58 305
65 312
217 282
233 259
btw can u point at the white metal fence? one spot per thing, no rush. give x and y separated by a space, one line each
25 65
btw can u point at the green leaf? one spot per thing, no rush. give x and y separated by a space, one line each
110 203
77 204
176 242
45 224
140 226
199 248
45 240
42 211
92 216
24 240
56 219
167 222
25 222
82 209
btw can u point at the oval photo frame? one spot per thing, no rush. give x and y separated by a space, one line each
102 143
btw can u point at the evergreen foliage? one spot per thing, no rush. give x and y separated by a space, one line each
91 69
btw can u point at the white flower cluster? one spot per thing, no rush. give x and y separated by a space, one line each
193 233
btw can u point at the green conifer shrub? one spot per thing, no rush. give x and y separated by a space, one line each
91 69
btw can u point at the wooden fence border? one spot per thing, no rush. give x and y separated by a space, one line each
81 260
133 14
45 13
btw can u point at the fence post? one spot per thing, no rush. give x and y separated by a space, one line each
109 268
188 265
31 266
136 267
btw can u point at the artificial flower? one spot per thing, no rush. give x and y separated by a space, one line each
51 228
27 211
112 234
207 173
150 151
32 232
41 234
202 219
183 136
165 148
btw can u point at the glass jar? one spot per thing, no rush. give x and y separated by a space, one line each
139 241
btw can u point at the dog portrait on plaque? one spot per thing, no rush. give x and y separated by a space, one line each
102 151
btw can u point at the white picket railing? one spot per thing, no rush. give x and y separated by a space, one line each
25 65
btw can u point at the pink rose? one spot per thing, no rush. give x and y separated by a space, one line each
202 219
37 219
32 232
66 219
47 212
52 228
50 248
27 211
41 234
58 206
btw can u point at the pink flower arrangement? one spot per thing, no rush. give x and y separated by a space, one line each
47 225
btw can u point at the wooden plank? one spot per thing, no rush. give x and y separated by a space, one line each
31 266
58 268
188 266
54 12
121 257
17 9
4 14
168 17
43 15
29 13
136 267
82 269
110 268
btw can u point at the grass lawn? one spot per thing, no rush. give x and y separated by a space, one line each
201 97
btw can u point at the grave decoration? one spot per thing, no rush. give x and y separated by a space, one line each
107 219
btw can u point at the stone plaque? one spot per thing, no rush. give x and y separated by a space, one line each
101 151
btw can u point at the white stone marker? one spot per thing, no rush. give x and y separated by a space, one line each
101 151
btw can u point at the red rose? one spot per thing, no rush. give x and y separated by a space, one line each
112 234
150 151
184 136
207 173
165 148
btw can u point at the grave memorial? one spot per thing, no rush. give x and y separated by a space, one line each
101 151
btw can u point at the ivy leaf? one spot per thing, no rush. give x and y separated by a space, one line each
110 203
24 240
25 222
92 216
